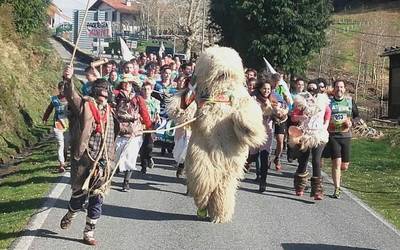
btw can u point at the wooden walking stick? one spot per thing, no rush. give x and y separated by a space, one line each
79 34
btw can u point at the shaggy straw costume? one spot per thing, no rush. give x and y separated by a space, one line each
313 134
229 121
309 134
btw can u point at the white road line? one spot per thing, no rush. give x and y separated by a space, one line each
36 222
365 206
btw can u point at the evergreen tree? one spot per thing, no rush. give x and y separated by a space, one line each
286 32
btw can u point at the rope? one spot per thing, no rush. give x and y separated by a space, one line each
79 35
171 128
96 161
146 132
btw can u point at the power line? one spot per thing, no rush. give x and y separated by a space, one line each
366 33
376 44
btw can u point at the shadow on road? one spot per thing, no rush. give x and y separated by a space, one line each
37 233
142 214
268 193
307 246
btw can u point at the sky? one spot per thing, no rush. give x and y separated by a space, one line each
68 6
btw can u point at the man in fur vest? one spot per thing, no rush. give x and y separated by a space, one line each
228 122
92 149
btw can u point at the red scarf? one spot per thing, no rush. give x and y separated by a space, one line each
98 118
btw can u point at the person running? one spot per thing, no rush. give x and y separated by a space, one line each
344 111
265 98
153 108
298 88
131 111
312 114
164 88
182 135
92 150
60 124
280 116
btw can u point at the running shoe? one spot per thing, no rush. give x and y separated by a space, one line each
336 194
202 213
61 169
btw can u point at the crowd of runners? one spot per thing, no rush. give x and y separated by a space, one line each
115 107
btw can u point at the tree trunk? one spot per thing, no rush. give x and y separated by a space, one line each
187 45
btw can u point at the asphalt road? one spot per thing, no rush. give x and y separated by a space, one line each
156 214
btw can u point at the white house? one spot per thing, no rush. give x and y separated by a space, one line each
124 14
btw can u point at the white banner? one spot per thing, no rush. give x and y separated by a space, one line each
273 71
126 53
99 29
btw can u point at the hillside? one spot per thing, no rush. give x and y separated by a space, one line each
356 38
29 72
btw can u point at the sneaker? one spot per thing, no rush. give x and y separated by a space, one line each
61 169
202 213
125 187
336 194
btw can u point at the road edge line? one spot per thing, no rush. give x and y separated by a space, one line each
24 242
365 206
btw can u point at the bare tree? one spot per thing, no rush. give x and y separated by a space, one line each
183 19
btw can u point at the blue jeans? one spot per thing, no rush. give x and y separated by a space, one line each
95 205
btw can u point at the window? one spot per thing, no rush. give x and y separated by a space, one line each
106 16
114 16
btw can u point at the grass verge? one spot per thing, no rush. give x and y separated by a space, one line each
374 176
23 192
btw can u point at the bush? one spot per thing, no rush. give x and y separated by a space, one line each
29 16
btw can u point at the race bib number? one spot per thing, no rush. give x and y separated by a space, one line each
339 118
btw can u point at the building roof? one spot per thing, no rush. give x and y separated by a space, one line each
119 5
390 51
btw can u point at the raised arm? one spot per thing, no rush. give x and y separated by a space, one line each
73 98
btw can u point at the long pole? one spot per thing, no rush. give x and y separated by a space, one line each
80 32
202 25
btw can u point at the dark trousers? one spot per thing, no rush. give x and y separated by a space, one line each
316 160
94 208
264 155
263 158
146 150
